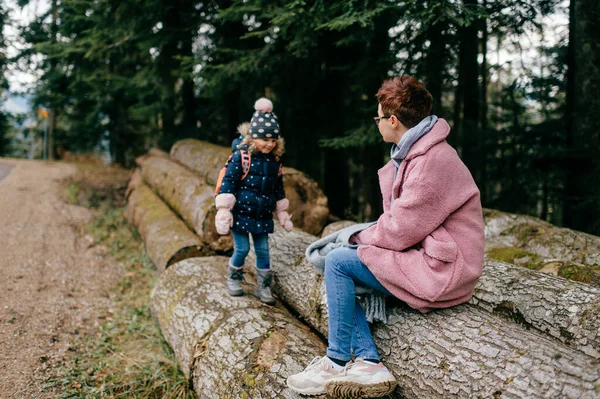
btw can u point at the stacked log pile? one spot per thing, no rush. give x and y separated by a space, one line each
228 347
524 333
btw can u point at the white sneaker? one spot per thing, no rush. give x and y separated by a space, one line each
312 380
362 380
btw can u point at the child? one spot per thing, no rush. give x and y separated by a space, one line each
247 205
426 249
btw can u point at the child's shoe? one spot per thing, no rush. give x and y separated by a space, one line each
362 380
263 286
235 276
312 380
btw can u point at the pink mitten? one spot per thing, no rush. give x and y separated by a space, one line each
224 218
285 220
223 221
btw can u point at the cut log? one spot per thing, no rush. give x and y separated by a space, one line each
190 197
166 237
204 158
563 309
538 245
463 351
308 203
134 181
157 152
230 347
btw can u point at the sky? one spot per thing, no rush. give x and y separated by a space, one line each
19 81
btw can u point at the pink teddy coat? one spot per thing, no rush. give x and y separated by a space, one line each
427 246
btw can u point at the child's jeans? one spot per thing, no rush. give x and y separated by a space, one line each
348 327
241 242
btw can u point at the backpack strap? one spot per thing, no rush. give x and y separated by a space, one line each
245 163
221 175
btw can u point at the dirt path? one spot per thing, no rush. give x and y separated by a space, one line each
54 283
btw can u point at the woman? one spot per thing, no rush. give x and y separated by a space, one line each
426 249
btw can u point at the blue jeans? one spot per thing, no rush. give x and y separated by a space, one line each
241 242
348 327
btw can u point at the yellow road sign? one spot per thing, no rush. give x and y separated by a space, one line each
43 113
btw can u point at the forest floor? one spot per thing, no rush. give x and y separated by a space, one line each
74 288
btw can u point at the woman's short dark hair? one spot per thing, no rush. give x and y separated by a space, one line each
405 97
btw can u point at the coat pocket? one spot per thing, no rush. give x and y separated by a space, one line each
440 249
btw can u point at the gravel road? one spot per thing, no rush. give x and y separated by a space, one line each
54 282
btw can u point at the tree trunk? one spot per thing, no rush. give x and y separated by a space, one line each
166 237
51 132
53 108
434 69
483 113
466 350
308 204
189 105
188 196
229 347
471 139
582 208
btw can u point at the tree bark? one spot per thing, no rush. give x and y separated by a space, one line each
152 152
533 235
465 351
166 237
188 196
229 347
308 204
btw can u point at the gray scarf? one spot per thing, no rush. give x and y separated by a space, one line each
400 151
372 301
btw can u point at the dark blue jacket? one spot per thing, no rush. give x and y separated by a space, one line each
236 142
257 195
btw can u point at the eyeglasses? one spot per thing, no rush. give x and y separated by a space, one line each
378 119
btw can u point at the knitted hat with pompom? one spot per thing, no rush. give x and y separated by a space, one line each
263 124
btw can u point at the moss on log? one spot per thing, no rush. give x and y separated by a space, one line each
464 351
190 197
229 347
538 245
308 203
166 237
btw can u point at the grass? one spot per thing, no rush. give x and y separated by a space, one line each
127 357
